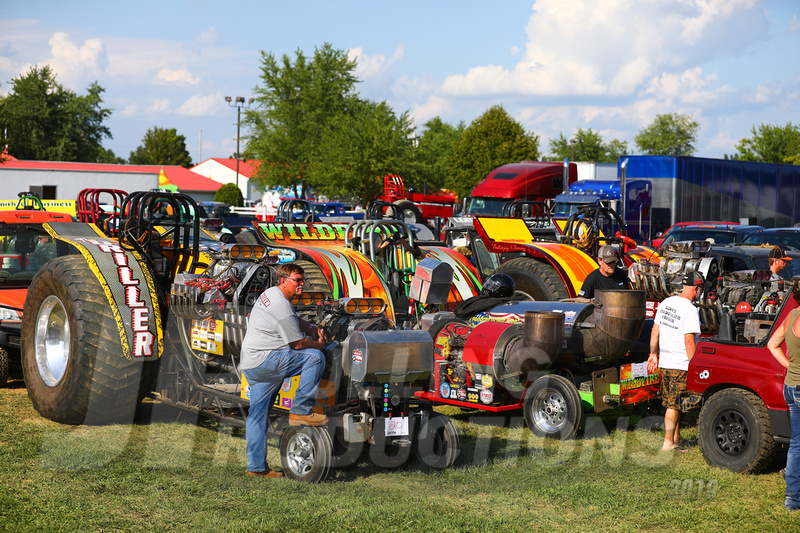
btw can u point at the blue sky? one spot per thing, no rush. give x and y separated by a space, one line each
555 65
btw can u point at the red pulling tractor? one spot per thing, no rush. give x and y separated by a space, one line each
414 207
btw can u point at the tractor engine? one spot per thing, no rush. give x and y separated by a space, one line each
492 357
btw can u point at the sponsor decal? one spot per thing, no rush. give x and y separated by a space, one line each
705 374
461 394
487 396
487 381
357 357
286 385
444 390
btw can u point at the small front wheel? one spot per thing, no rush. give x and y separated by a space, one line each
552 408
438 444
306 453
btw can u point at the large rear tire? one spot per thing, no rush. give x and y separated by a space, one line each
306 453
72 359
537 279
552 408
734 432
410 212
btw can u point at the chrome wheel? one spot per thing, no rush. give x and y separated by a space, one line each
52 341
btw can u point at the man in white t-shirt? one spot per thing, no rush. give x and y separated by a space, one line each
672 344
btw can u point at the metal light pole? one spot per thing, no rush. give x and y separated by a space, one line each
238 103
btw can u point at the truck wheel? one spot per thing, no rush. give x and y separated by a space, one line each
734 432
552 408
306 453
441 445
4 367
410 212
539 280
72 358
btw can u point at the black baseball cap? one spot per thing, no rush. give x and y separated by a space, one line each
693 278
779 253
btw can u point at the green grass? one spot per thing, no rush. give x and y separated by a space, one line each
176 473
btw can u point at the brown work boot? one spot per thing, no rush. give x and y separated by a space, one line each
313 419
265 473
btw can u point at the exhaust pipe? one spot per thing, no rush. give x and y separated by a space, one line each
542 337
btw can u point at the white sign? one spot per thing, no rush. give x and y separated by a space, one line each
396 426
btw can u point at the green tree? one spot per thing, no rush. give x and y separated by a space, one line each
361 146
771 144
229 194
161 146
672 134
295 105
108 156
588 146
47 122
433 151
491 140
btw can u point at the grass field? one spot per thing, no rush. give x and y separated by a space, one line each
175 473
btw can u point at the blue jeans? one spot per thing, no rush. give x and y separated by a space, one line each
792 397
264 382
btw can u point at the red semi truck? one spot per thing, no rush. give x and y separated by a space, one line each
534 181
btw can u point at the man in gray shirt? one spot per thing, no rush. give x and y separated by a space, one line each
275 348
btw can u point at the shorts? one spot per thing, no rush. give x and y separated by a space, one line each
673 385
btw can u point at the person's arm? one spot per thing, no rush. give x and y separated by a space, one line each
652 359
775 342
317 340
690 341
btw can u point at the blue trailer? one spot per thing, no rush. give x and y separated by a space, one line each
696 188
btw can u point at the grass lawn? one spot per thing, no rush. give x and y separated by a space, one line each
175 473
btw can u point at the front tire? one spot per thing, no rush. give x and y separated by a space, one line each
306 453
539 280
5 370
552 408
71 351
734 432
441 446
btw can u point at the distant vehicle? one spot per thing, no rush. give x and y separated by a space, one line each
214 209
534 181
24 247
784 237
739 257
713 233
656 242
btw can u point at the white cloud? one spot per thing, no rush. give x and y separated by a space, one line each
209 37
73 64
434 106
160 105
178 77
376 66
612 47
201 105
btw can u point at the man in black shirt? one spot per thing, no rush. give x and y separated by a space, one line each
607 277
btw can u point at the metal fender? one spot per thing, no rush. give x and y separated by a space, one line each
466 282
129 288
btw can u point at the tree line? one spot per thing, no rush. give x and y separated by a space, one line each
311 129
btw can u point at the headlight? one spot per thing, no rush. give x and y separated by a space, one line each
10 315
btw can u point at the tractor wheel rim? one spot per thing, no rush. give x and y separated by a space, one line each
52 341
551 409
300 454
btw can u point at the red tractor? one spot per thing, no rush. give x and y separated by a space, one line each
412 205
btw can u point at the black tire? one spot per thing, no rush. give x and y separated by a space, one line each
84 379
306 453
441 446
4 367
539 280
734 432
552 408
409 211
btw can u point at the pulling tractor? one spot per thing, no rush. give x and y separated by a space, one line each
144 314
